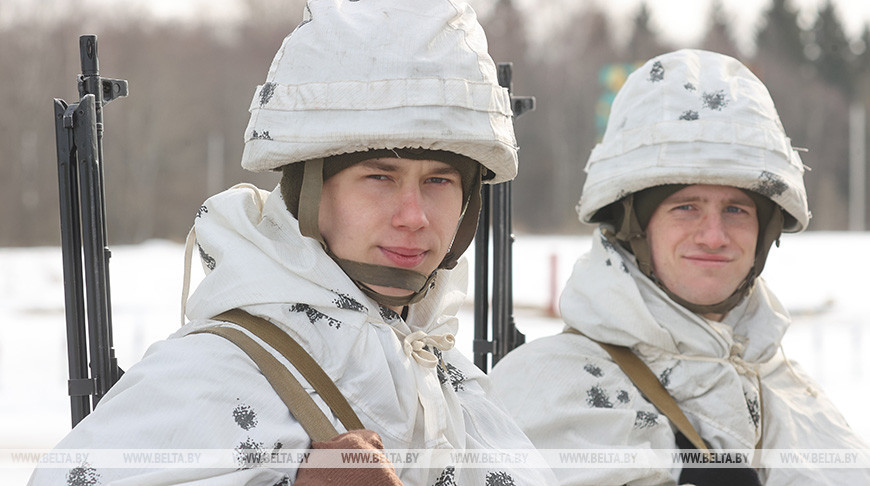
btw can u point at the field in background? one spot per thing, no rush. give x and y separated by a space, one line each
822 278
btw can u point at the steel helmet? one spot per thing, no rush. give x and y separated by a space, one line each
377 78
695 117
380 74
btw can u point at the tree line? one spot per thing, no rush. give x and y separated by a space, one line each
177 138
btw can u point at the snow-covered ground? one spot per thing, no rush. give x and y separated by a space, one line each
821 277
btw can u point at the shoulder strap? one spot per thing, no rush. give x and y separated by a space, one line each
300 404
647 382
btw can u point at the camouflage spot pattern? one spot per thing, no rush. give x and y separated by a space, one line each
657 72
245 417
206 258
499 478
596 397
264 135
622 397
754 407
447 477
314 315
84 475
715 101
665 377
346 302
266 93
769 185
447 373
644 420
249 454
387 314
593 370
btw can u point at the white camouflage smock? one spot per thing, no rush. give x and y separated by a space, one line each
566 392
202 392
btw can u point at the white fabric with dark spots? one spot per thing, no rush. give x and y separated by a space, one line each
378 74
695 117
566 392
202 392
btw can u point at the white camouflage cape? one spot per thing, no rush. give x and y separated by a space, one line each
202 392
566 392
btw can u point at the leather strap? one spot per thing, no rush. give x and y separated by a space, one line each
647 382
300 404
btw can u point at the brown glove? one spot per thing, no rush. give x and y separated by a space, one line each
382 475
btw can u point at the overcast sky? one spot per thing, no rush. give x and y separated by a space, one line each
680 22
685 20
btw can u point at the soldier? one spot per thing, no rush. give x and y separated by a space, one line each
385 119
692 183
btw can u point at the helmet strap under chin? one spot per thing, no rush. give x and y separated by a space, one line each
631 233
362 274
365 275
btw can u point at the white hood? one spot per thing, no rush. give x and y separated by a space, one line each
647 318
263 265
202 392
610 300
729 378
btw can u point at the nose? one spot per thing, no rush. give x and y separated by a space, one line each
711 231
410 212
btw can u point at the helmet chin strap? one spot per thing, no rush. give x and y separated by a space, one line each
630 232
364 275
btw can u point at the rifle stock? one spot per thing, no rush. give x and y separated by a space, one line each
93 368
496 337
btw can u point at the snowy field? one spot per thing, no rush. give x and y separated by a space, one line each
821 277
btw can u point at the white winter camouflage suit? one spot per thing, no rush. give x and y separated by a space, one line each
194 392
352 76
567 393
687 117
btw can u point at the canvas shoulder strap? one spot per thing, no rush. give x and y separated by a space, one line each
647 382
298 401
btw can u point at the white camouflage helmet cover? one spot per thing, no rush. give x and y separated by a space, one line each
695 117
382 74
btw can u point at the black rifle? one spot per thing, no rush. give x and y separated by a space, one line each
500 335
79 130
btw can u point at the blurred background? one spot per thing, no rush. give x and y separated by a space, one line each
193 65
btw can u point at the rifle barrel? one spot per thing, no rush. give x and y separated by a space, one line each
500 336
93 368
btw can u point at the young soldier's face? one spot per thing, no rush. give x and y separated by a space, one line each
702 240
395 212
